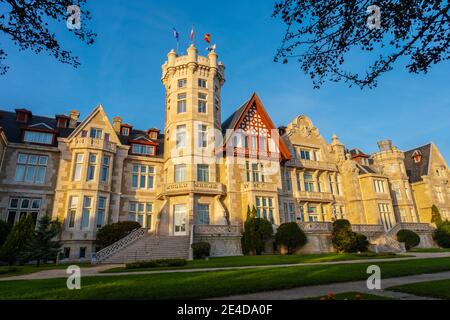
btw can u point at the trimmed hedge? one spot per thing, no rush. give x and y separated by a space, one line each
409 238
442 235
157 263
291 236
201 250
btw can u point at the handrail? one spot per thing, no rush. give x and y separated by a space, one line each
121 244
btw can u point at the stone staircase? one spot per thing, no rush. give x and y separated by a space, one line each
145 246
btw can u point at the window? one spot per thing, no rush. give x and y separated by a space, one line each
407 191
262 143
142 149
202 103
85 216
82 252
305 154
105 169
73 204
181 105
66 253
125 131
202 173
312 213
91 167
397 191
253 140
101 207
180 173
379 186
202 214
287 180
78 166
95 133
143 177
254 172
31 168
181 136
202 83
202 136
182 83
22 207
264 208
141 212
38 137
316 155
290 207
309 182
299 188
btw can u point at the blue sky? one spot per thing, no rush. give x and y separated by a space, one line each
122 71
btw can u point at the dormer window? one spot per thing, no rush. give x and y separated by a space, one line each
62 121
417 156
23 115
38 137
125 131
142 149
153 133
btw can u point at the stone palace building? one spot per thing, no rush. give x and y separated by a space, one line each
194 180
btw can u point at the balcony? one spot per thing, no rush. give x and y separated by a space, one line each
314 196
368 229
93 143
310 164
180 188
205 230
316 227
258 186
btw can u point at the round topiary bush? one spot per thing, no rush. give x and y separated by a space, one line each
291 236
442 235
201 250
111 233
345 240
410 238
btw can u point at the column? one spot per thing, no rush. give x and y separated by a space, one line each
305 211
316 180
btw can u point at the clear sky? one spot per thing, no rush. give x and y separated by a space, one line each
122 71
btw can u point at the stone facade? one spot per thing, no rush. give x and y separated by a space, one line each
197 178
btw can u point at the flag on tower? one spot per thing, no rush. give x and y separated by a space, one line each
192 35
176 35
208 38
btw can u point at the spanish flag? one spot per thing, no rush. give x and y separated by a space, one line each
208 38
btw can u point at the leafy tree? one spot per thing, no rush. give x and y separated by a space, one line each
291 236
26 24
345 240
257 232
5 228
111 233
409 238
435 215
17 240
442 235
42 246
322 35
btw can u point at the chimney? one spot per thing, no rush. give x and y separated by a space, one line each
117 121
385 145
23 115
74 115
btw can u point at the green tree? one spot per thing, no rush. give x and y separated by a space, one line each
442 235
17 240
345 240
257 232
435 215
5 229
291 236
43 246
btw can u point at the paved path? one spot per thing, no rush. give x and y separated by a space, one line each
94 271
343 287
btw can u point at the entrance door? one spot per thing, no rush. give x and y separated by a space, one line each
179 218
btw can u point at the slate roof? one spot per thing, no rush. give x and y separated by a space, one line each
135 134
231 121
415 171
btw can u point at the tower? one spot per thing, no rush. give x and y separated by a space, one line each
193 122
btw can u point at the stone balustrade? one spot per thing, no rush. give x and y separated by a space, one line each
315 227
121 244
416 227
178 188
217 229
93 143
368 229
258 186
311 164
314 196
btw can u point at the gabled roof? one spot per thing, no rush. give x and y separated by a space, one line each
234 121
415 170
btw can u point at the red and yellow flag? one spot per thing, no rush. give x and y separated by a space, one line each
208 38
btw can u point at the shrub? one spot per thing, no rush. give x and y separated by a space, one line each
410 238
5 228
201 250
256 232
291 236
157 263
7 270
17 240
435 215
112 233
345 240
442 235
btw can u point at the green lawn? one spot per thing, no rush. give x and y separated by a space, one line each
9 271
265 260
436 289
432 250
351 296
211 284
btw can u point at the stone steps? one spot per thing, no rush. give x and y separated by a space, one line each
152 247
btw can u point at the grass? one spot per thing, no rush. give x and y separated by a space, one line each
435 289
10 271
263 260
197 285
351 296
432 250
